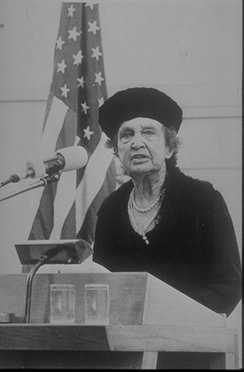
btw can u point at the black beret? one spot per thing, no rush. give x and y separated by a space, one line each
138 102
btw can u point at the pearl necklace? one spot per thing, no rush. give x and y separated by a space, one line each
130 211
144 210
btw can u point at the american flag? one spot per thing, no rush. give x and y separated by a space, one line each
68 209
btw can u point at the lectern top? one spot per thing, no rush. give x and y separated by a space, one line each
69 251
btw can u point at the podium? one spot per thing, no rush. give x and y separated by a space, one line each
152 325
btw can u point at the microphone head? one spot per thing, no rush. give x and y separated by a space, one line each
75 157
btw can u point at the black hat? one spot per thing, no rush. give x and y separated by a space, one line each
138 102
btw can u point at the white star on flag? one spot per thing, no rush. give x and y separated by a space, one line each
71 11
59 43
73 34
100 101
78 58
93 27
81 82
64 90
85 107
61 66
88 133
98 78
96 53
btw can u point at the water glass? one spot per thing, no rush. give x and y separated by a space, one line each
62 303
97 304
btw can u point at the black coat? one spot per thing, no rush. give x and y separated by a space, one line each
193 248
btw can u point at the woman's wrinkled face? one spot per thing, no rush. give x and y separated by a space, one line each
141 146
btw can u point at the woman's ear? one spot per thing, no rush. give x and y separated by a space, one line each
169 153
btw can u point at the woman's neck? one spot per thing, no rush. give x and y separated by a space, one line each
149 187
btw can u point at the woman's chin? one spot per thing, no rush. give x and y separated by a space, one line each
140 170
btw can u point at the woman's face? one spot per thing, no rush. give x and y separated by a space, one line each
141 146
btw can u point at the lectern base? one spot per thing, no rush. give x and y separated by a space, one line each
20 359
115 347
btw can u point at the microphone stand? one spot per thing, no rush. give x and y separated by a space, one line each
41 261
30 277
43 182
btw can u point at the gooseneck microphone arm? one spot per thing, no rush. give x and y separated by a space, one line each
43 182
31 274
41 261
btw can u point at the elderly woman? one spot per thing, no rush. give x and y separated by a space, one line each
161 221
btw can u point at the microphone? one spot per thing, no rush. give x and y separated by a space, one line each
66 159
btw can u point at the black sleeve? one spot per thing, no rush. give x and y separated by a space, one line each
101 234
227 265
221 289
